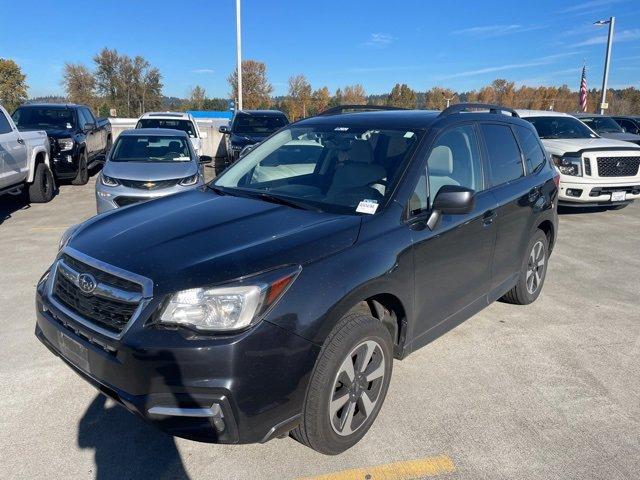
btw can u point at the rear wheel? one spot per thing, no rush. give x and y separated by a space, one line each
348 385
82 176
532 272
43 187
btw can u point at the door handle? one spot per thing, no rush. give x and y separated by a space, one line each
21 141
488 218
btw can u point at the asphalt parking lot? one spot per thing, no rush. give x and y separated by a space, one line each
551 390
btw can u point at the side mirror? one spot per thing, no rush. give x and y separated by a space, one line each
204 135
205 159
451 200
89 127
224 129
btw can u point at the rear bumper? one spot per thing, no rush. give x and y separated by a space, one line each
244 388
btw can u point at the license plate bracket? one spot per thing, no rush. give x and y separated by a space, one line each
618 196
74 352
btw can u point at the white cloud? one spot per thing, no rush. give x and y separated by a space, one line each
589 5
203 70
623 36
489 31
380 40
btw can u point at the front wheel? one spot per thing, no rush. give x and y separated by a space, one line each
82 177
43 187
348 385
532 272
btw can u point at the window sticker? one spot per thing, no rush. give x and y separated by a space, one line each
367 206
341 129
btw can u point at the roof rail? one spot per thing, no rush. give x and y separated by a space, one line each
466 107
364 108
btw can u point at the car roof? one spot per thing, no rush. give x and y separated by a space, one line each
541 113
391 119
588 115
265 113
52 105
166 132
167 115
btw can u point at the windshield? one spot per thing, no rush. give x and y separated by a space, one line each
152 148
602 124
44 117
560 127
331 168
184 125
262 125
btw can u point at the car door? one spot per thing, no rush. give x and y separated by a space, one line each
452 262
93 138
13 154
516 194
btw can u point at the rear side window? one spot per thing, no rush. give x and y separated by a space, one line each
5 127
533 153
504 155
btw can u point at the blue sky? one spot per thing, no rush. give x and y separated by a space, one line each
458 44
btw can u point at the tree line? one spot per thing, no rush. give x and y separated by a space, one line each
133 86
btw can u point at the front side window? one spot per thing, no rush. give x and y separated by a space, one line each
183 125
152 148
257 124
531 149
330 168
504 155
5 127
44 118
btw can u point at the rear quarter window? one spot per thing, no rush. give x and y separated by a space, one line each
505 163
531 149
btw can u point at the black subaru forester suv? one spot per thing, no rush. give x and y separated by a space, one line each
275 299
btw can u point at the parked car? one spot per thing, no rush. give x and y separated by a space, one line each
78 139
594 171
146 164
248 127
24 162
176 121
607 127
252 308
630 124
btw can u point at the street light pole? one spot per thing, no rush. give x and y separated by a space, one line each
607 60
239 55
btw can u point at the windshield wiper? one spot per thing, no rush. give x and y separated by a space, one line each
269 197
218 190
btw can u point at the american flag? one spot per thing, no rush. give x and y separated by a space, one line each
583 90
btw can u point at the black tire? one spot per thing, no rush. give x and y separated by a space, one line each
522 293
82 177
43 187
351 337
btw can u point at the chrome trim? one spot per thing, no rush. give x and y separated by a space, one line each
214 412
101 289
146 283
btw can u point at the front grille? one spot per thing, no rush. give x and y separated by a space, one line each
110 314
125 201
618 166
149 185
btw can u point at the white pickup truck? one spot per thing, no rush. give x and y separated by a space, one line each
594 171
24 162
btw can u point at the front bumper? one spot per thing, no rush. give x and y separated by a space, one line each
242 388
585 192
110 198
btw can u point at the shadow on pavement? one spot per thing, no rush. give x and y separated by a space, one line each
125 446
580 210
10 204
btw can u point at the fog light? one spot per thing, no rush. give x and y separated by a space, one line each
574 192
219 424
104 194
69 159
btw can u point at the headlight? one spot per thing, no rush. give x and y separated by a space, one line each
568 165
192 180
65 144
108 181
229 307
66 236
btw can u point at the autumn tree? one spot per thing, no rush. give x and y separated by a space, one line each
320 99
256 89
402 96
13 86
353 95
79 84
436 98
197 97
504 93
299 97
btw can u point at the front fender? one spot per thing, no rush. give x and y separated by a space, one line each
32 161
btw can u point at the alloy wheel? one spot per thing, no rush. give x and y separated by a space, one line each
356 388
535 267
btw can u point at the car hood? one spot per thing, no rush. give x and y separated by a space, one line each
150 170
568 145
53 132
238 139
200 238
628 137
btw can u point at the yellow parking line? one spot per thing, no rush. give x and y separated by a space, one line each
411 469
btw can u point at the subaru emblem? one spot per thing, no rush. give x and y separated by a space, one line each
87 283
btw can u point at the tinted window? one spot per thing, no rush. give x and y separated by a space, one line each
455 160
258 124
44 118
531 149
82 119
504 155
5 127
560 127
88 116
